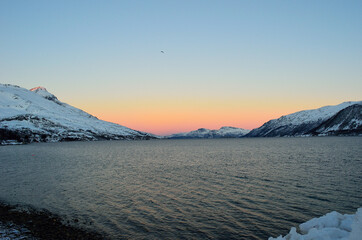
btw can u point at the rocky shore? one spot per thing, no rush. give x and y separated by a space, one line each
33 224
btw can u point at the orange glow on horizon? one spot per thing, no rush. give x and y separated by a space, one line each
164 117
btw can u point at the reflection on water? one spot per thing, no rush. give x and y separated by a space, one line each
225 189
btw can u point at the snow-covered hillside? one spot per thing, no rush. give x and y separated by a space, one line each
223 132
308 122
346 121
37 115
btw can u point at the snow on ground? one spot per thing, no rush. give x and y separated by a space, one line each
332 226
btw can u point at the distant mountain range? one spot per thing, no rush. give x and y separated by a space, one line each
224 132
36 115
343 119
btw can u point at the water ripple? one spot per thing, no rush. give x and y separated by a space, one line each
187 189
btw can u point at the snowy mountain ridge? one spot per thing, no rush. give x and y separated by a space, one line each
223 132
308 121
341 119
346 121
37 115
314 115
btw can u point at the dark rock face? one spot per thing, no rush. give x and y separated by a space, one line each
346 122
49 131
16 136
270 130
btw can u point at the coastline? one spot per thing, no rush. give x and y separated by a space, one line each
34 224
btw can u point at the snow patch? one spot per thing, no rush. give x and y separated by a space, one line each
332 226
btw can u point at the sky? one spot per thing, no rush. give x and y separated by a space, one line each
225 63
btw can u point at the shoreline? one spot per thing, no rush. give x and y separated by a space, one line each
39 224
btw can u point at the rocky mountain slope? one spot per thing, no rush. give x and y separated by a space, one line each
346 122
342 119
38 116
223 132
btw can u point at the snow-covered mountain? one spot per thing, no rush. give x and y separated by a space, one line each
38 116
223 132
346 122
342 119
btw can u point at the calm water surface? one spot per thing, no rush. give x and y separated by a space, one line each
187 189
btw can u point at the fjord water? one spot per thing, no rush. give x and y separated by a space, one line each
182 189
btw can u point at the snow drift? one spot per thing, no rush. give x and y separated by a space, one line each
332 226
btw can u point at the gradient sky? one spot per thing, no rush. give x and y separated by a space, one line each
226 63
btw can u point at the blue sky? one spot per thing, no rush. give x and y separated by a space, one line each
272 54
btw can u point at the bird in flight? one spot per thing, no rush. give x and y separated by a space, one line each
162 52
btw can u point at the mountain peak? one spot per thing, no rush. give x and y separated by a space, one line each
36 89
202 130
223 132
227 127
42 91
